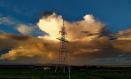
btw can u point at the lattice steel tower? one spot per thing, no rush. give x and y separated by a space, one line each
63 56
63 53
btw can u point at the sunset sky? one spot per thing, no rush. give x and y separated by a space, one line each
38 32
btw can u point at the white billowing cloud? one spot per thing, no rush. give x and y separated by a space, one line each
52 24
89 18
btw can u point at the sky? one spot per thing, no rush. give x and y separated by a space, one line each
114 14
24 27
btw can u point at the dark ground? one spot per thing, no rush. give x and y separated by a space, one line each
77 72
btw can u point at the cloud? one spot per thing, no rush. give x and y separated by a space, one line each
24 29
123 41
87 43
124 35
51 24
29 29
20 27
27 48
7 21
10 22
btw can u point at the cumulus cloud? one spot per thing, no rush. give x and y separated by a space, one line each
87 42
52 24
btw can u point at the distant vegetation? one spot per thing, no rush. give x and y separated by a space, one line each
83 72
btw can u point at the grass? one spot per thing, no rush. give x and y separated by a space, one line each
75 74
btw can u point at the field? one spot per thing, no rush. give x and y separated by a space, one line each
38 72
